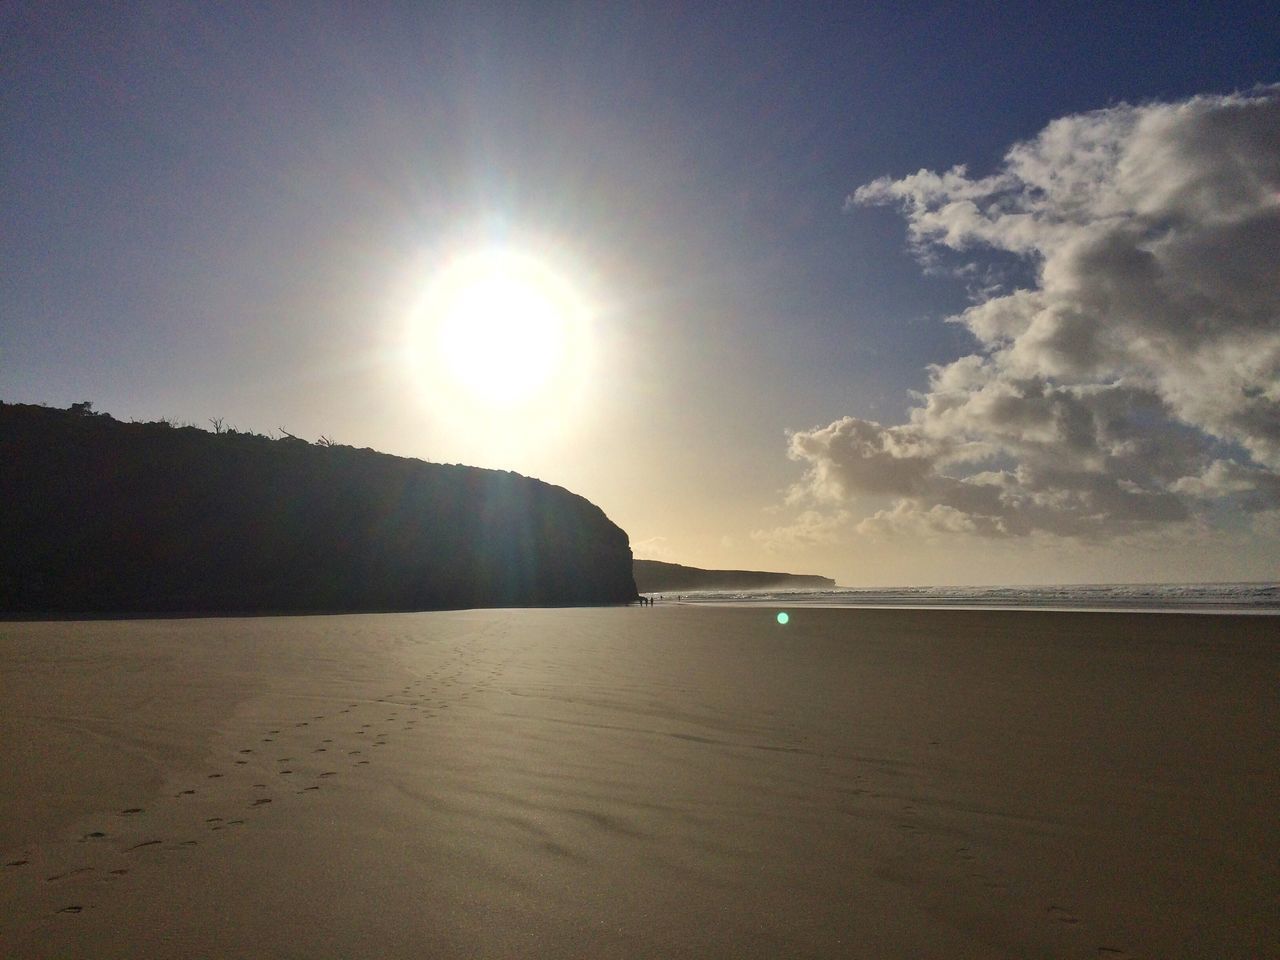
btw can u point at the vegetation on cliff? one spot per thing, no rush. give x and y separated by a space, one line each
101 516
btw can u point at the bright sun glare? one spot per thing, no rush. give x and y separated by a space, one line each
502 330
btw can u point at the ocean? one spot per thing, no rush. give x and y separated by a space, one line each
1257 598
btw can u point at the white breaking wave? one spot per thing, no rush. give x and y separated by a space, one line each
1224 597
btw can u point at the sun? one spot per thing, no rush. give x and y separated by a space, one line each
501 329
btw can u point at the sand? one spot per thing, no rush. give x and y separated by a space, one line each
664 782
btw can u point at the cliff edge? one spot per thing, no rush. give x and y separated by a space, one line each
102 516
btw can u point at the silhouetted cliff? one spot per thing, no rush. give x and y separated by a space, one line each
653 576
102 516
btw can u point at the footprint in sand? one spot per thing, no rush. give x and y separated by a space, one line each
70 873
74 908
95 835
329 773
131 811
214 776
260 801
1062 916
17 863
1112 953
144 843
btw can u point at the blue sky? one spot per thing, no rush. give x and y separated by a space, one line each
218 211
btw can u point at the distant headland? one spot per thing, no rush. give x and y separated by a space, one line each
654 576
106 517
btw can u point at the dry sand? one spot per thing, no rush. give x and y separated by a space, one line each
666 782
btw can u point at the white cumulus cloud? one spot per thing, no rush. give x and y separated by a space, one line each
1136 383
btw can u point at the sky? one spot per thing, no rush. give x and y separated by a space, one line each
898 294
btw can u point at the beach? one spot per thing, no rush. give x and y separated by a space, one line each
674 781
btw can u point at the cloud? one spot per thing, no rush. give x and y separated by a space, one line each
1256 489
653 548
1136 382
809 528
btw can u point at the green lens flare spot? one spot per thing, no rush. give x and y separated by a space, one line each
783 617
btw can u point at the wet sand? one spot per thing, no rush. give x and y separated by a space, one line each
663 782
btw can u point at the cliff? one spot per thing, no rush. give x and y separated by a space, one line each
654 576
101 516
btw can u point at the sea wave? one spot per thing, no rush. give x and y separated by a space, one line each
1205 597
